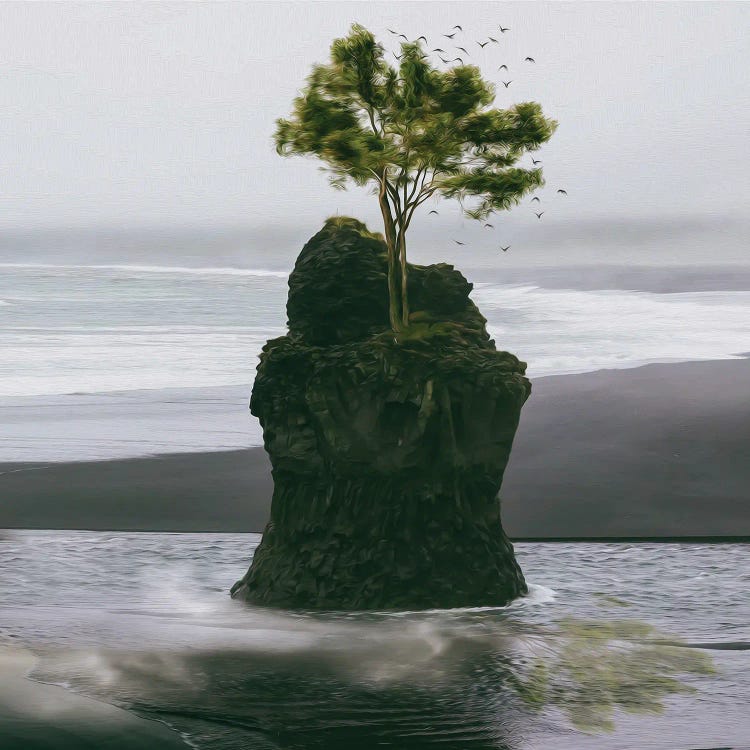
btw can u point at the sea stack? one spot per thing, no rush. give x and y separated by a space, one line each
388 450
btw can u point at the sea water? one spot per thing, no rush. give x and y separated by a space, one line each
617 647
106 361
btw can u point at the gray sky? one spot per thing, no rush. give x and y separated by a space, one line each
135 115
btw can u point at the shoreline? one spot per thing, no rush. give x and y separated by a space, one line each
658 452
741 539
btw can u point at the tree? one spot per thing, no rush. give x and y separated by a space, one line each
411 133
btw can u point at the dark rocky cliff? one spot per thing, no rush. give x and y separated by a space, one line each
387 454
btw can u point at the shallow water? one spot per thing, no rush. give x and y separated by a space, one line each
617 646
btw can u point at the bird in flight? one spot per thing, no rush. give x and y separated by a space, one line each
483 44
562 192
395 33
449 36
444 60
457 27
507 83
433 211
404 36
535 198
529 59
459 243
539 216
398 57
503 67
459 60
535 161
437 49
489 226
505 249
492 39
464 50
502 30
422 37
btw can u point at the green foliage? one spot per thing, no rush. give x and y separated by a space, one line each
412 132
341 222
429 129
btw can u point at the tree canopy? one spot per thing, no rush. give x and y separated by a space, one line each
412 132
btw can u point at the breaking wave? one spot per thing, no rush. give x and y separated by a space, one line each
195 270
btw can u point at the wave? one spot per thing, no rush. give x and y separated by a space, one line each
194 270
560 331
538 594
264 332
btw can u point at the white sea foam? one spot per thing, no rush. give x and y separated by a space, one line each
559 331
195 270
45 362
538 594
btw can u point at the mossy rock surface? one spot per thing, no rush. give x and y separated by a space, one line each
388 452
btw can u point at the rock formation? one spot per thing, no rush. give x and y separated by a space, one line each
387 452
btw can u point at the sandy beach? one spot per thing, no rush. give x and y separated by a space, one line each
656 451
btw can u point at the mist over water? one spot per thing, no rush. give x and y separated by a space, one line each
144 621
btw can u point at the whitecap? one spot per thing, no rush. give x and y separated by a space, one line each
197 270
564 331
538 594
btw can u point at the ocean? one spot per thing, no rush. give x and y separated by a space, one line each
617 647
108 361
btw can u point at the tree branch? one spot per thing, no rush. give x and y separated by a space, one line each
394 196
371 115
419 174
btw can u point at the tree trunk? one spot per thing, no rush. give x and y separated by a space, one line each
404 280
394 298
390 241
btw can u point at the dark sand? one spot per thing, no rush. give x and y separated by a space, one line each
656 451
222 491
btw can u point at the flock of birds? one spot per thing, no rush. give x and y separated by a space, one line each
538 215
440 52
455 30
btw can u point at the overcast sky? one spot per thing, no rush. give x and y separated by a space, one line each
136 115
